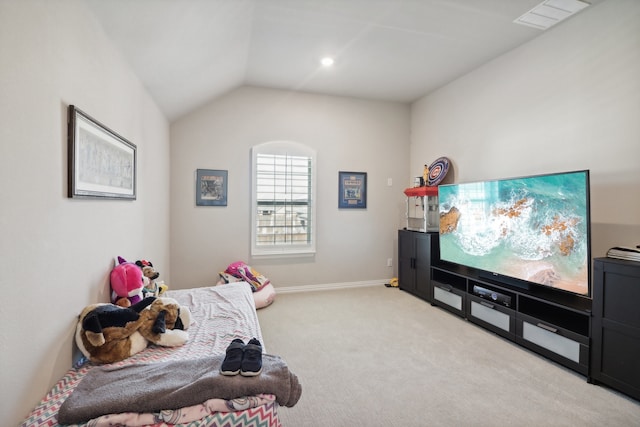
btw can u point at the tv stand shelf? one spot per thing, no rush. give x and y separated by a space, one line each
554 324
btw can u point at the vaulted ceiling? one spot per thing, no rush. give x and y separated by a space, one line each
188 52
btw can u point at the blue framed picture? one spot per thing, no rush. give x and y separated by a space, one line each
352 190
211 187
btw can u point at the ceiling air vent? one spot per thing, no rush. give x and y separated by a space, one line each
550 12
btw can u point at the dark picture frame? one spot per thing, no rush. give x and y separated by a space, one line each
102 164
211 187
352 190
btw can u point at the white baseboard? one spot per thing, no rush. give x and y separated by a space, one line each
329 286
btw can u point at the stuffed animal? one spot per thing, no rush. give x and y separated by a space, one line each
149 276
126 284
263 291
245 272
165 322
108 333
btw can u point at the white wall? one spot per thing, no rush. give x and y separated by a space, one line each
348 135
568 100
55 252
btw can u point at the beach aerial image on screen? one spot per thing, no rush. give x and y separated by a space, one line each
534 228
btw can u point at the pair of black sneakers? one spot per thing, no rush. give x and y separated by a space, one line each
243 359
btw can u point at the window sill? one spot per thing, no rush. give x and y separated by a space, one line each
264 254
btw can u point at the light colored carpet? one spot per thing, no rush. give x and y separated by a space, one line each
377 356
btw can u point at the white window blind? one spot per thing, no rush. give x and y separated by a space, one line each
283 199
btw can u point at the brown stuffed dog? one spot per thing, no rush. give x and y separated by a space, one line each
108 333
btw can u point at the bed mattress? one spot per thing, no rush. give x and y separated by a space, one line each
220 314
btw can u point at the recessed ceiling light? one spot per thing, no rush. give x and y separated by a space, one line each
327 61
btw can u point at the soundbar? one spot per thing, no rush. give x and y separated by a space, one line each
485 293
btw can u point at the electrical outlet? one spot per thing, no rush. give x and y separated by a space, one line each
389 262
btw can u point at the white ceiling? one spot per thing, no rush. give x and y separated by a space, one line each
190 51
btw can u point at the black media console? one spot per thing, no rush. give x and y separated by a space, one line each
554 324
615 352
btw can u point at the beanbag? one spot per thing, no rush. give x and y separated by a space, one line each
264 296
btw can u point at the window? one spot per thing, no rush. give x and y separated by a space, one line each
283 197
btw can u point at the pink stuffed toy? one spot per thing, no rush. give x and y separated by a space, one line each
245 272
126 284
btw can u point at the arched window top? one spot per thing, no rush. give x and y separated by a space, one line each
284 147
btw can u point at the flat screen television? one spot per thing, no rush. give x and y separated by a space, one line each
521 231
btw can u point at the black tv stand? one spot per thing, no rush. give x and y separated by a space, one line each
552 323
616 325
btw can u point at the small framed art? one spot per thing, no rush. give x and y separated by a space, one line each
352 190
102 164
211 187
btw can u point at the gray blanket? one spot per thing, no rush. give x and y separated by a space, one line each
178 384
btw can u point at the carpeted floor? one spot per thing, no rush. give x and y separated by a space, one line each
377 356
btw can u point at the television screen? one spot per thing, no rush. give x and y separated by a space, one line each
535 229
